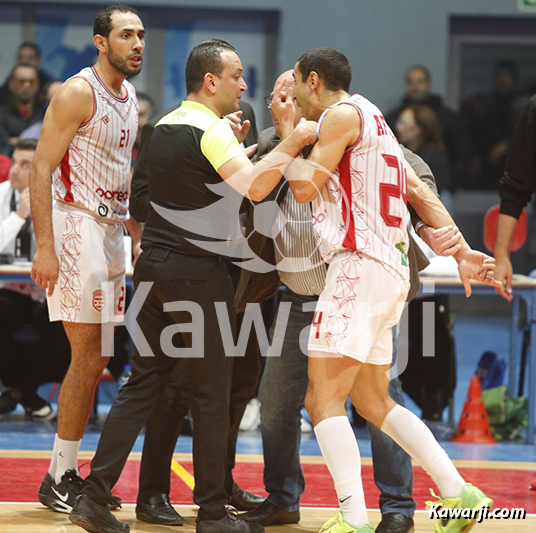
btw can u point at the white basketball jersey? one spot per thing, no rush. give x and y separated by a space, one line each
94 174
363 205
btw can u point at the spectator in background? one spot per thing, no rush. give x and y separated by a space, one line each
418 129
23 107
34 131
145 113
23 367
429 381
453 131
491 120
28 53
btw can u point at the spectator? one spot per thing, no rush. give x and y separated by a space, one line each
28 53
22 370
491 119
453 131
417 128
23 107
145 113
34 131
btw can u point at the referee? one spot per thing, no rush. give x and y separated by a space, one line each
192 149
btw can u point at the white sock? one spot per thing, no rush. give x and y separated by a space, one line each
412 435
54 460
341 453
67 457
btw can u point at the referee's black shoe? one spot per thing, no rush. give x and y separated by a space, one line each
229 523
95 518
158 510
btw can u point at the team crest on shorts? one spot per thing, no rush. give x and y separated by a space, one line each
99 300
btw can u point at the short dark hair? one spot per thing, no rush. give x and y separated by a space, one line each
332 67
103 23
33 46
26 144
422 68
205 58
25 65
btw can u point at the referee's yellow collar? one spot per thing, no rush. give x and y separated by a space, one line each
189 104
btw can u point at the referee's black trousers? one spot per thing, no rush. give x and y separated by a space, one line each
175 278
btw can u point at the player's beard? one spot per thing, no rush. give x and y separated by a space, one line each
120 63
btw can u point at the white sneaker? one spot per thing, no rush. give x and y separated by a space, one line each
252 416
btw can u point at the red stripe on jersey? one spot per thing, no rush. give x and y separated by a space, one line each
345 179
66 177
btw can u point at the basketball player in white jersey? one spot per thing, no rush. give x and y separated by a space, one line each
360 219
85 149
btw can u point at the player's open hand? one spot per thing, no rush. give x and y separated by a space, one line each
45 270
283 104
240 129
503 274
477 266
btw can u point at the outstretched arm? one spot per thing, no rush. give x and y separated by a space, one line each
471 263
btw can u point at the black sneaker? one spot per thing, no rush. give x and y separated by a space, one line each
44 489
61 497
95 518
230 523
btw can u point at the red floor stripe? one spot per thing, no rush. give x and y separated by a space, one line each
509 488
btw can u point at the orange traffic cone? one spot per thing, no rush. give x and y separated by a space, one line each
474 422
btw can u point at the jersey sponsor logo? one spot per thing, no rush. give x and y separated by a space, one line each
102 210
106 119
120 196
99 300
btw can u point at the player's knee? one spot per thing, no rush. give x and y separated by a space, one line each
95 364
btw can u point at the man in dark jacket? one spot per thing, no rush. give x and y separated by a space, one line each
516 188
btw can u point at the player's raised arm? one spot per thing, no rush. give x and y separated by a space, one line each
256 181
70 107
471 263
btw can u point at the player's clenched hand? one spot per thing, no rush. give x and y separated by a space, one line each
45 269
309 129
475 265
444 241
503 274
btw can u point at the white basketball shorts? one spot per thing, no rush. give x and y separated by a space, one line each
357 310
90 253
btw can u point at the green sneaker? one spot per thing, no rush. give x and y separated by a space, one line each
466 510
338 525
